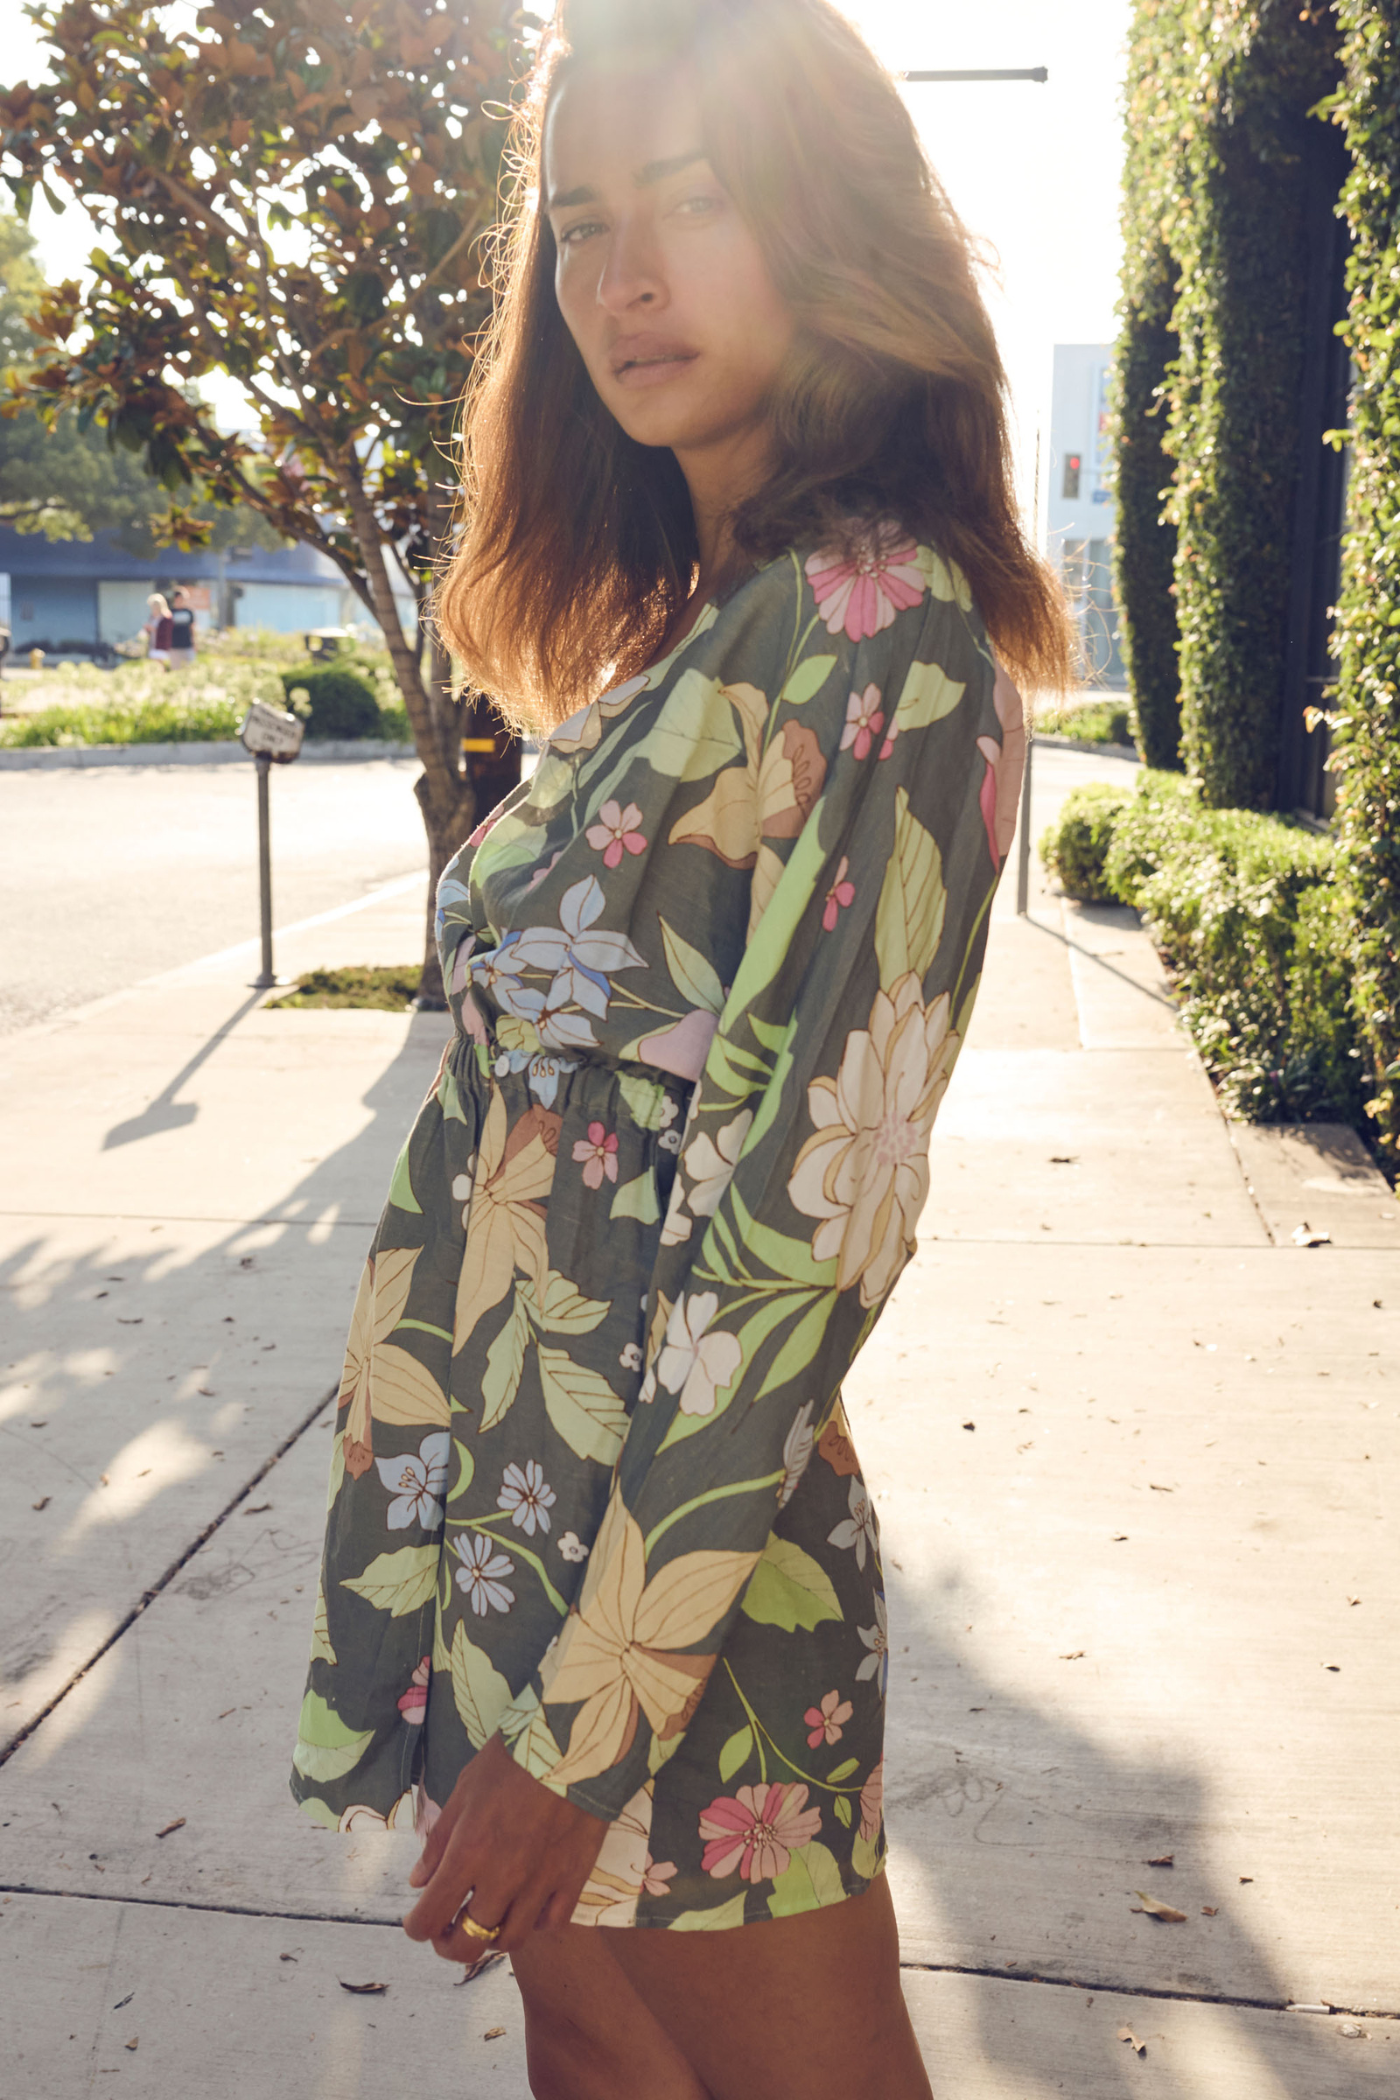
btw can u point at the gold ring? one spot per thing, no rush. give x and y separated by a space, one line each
473 1930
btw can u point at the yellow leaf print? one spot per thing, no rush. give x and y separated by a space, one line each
380 1303
505 1214
617 1652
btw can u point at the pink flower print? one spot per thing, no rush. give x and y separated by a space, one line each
864 721
757 1830
597 1155
872 1804
826 1723
863 593
838 897
540 873
616 833
1001 783
655 1878
890 734
414 1703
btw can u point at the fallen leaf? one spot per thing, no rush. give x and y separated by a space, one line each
472 1969
207 1391
178 1824
226 1712
1244 1878
362 1990
1304 1236
1350 1600
1064 1159
255 1509
42 1503
1164 1911
1335 1668
1352 2032
1125 2034
1158 1489
134 2040
1209 1910
286 1957
1163 1859
493 2034
106 1482
1075 1655
134 1321
1120 1538
123 2001
969 1425
40 1425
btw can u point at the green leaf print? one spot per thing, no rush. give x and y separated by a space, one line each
841 1809
478 1688
526 1730
325 1818
582 1406
865 1857
801 1345
929 694
505 1360
811 1881
694 734
786 1257
842 1771
736 1753
326 1749
320 1629
401 1188
807 680
776 1088
644 1097
637 1199
398 1582
909 916
771 941
789 1589
692 973
563 1309
723 1918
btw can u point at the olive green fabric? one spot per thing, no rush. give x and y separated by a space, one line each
592 1484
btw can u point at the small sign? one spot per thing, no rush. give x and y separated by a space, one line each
272 732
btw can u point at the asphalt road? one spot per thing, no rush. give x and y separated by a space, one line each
111 874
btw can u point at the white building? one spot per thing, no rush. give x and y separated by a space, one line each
1081 515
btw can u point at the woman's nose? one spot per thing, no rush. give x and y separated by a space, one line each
631 275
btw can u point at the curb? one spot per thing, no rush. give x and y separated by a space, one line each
331 751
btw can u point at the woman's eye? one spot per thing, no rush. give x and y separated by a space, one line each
700 203
572 235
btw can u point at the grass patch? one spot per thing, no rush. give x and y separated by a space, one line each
390 990
1091 722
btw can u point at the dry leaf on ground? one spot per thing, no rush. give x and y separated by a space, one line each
1304 1236
178 1824
1154 1909
362 1990
1210 1910
1163 1859
1125 2034
134 2040
493 2034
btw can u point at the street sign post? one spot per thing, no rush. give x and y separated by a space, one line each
273 736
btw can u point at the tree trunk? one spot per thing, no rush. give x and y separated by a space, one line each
448 819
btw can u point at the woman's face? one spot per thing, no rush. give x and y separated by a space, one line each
660 282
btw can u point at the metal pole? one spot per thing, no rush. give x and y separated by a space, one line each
1023 856
266 976
1040 73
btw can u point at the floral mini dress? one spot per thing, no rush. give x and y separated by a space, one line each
592 1485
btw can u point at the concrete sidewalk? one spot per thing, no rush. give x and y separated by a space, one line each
1131 1449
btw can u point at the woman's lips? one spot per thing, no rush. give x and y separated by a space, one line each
649 367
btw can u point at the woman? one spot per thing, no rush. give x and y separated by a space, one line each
602 1578
158 629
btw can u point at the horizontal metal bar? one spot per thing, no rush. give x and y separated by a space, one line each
1041 73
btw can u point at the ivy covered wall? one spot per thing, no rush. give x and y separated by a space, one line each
1221 150
1366 722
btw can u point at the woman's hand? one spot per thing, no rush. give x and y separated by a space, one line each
520 1852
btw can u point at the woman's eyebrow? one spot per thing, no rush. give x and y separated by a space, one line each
654 171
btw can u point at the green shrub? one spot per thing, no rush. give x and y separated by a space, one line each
1092 722
340 700
140 703
1076 846
1247 912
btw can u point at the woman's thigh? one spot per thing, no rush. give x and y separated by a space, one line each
803 2008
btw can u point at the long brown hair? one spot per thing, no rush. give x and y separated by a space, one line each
577 545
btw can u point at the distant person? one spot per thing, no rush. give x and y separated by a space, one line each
181 631
158 629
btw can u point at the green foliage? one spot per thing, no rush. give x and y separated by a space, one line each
339 700
1091 722
1145 548
387 990
1075 848
1247 911
1366 723
141 704
1223 150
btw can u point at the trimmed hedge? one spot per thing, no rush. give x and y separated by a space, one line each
1223 151
1248 913
1075 847
340 701
1366 723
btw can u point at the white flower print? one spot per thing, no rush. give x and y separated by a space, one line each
417 1483
480 1574
858 1529
877 1640
630 1358
525 1494
669 1111
571 1547
797 1453
692 1362
579 958
710 1163
670 1141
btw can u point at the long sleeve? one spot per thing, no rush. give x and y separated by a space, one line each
865 804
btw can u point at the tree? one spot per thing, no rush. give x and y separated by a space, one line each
292 193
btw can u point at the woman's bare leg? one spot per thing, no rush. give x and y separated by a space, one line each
588 2036
805 2008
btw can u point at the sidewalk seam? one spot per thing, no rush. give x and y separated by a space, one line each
925 1968
162 1582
